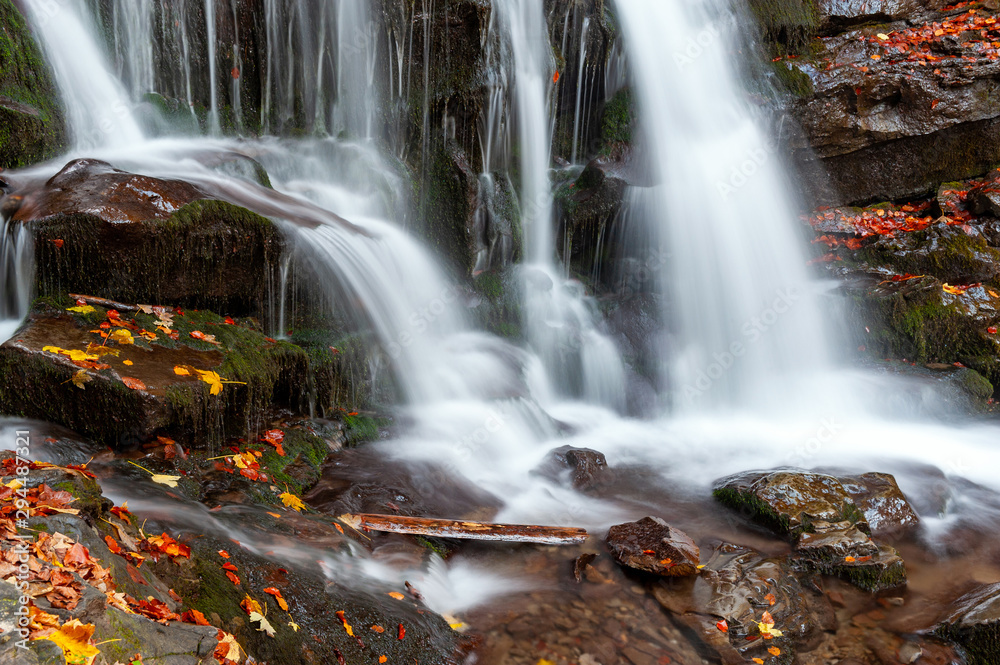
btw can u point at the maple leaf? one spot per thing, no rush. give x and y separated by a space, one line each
292 501
250 605
195 617
199 335
228 647
265 625
74 639
81 309
80 378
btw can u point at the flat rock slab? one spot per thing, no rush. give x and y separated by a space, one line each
133 393
654 546
973 622
133 238
737 587
885 507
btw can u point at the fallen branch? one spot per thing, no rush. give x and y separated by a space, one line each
510 533
104 302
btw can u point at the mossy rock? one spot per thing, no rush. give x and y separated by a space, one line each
130 238
38 384
973 622
787 24
618 120
32 127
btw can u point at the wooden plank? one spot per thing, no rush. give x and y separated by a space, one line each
510 533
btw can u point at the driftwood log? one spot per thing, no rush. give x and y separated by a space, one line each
510 533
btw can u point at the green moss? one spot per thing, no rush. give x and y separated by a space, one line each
298 445
747 502
976 384
793 79
31 122
618 120
981 643
873 578
788 24
362 428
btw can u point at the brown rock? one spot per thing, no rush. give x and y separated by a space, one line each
654 546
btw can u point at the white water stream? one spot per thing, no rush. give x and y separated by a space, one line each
489 411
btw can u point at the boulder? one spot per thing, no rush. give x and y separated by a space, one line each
104 232
973 622
654 546
129 390
583 467
887 511
831 529
32 127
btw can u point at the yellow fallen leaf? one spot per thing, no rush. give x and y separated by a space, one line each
127 362
163 479
80 378
74 638
292 501
81 309
181 370
265 625
294 626
882 36
100 351
122 336
233 647
251 605
275 515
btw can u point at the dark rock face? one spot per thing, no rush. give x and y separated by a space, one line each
31 121
974 623
107 233
829 521
885 123
654 546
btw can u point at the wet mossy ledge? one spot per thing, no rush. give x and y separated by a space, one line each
32 127
132 238
129 393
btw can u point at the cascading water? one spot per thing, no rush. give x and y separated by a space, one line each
482 409
16 273
742 316
559 319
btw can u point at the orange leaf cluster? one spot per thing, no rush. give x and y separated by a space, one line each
915 44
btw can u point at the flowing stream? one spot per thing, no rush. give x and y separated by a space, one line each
748 381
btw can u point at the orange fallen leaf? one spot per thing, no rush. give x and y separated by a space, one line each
397 595
774 651
282 603
378 629
723 626
134 384
232 578
58 242
771 600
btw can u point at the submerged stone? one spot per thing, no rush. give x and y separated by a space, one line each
583 466
654 546
852 555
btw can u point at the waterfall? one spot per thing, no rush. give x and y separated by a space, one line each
742 316
98 110
17 275
214 124
580 84
560 321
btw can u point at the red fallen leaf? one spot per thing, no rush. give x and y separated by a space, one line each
121 512
353 413
173 595
76 555
402 632
134 384
224 554
195 617
112 545
767 619
229 566
232 578
723 626
230 321
650 552
992 330
58 242
853 243
340 657
339 528
935 103
555 77
273 436
771 600
235 73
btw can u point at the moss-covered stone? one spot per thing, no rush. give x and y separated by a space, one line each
792 79
788 24
618 120
32 127
973 622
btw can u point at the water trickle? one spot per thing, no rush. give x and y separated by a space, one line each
17 274
580 84
214 123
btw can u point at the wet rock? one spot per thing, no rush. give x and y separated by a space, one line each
884 129
790 502
973 622
654 546
133 238
840 14
886 510
32 127
852 555
832 529
38 383
738 586
583 466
